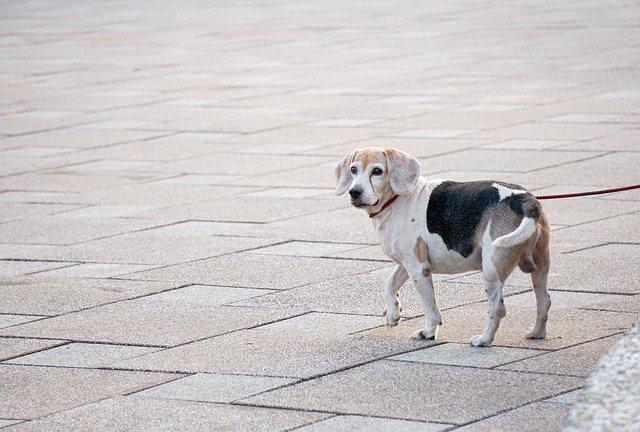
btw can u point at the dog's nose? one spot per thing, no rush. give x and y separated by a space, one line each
355 192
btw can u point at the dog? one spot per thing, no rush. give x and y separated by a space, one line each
439 226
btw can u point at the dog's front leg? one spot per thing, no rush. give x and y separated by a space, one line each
391 287
423 282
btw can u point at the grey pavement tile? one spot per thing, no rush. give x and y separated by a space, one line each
564 329
204 387
235 163
291 193
418 147
334 226
135 252
536 417
195 228
523 144
18 211
141 413
165 197
372 424
206 295
321 176
276 149
573 212
395 392
588 118
583 174
544 131
98 211
113 165
575 271
299 347
147 323
363 294
9 320
246 208
433 133
569 398
62 187
495 107
267 271
620 304
308 249
200 179
12 269
624 140
579 360
517 160
94 270
5 423
364 253
466 355
15 347
57 389
36 152
51 296
82 138
82 355
345 122
60 230
569 300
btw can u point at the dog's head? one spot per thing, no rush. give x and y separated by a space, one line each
373 175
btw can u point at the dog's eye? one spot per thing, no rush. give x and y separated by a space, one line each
376 171
354 170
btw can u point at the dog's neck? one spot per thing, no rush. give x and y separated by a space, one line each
384 206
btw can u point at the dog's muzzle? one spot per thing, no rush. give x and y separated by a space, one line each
356 194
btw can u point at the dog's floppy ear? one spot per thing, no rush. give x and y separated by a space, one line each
343 173
403 171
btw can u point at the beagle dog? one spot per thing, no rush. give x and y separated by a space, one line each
437 226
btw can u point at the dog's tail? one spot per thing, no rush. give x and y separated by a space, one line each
528 207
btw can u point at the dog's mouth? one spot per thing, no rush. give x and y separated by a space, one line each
361 205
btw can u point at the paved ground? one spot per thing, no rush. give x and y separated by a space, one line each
172 255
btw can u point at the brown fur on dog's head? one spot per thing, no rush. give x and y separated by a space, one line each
373 173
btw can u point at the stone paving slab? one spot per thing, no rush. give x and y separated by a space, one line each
141 413
13 347
374 424
58 389
415 387
51 296
82 355
145 323
301 347
215 387
267 271
564 328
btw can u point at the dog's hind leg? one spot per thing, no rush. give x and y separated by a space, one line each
539 278
497 311
391 287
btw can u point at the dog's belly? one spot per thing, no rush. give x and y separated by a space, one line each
444 260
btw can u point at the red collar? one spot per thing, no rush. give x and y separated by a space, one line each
387 204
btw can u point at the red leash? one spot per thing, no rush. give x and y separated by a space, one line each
580 194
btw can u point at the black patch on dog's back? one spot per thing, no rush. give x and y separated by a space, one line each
456 209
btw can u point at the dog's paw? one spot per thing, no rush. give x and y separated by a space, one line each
534 333
478 341
392 318
423 335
